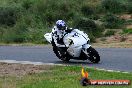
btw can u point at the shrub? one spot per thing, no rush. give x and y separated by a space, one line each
1 33
85 24
87 10
129 7
63 10
114 6
17 34
109 33
90 27
8 36
21 33
112 21
92 37
27 4
127 31
8 16
36 36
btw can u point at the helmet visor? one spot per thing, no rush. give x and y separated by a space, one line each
61 27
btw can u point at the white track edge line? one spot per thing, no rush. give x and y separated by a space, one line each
41 63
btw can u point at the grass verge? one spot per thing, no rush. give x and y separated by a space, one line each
96 45
61 77
113 45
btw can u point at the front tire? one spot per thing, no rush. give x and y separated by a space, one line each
93 55
59 55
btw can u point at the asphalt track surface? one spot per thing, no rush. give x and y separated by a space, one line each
119 59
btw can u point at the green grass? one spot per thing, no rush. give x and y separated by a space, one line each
127 31
62 77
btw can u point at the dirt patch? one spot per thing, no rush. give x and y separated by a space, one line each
126 16
118 40
128 26
21 69
112 45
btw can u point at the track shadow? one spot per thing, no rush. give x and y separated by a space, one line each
76 63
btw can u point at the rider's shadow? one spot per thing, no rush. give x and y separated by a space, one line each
75 63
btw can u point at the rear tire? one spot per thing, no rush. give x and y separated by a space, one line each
93 55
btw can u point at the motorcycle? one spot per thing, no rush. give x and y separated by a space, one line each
77 47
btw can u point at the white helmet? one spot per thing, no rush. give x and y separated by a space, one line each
61 25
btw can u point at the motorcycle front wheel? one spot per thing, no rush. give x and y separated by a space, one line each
58 52
59 55
93 55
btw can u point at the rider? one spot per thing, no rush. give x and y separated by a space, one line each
59 31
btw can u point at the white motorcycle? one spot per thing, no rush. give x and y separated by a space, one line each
78 47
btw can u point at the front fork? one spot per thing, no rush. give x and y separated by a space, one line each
85 48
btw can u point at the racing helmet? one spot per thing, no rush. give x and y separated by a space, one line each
61 25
